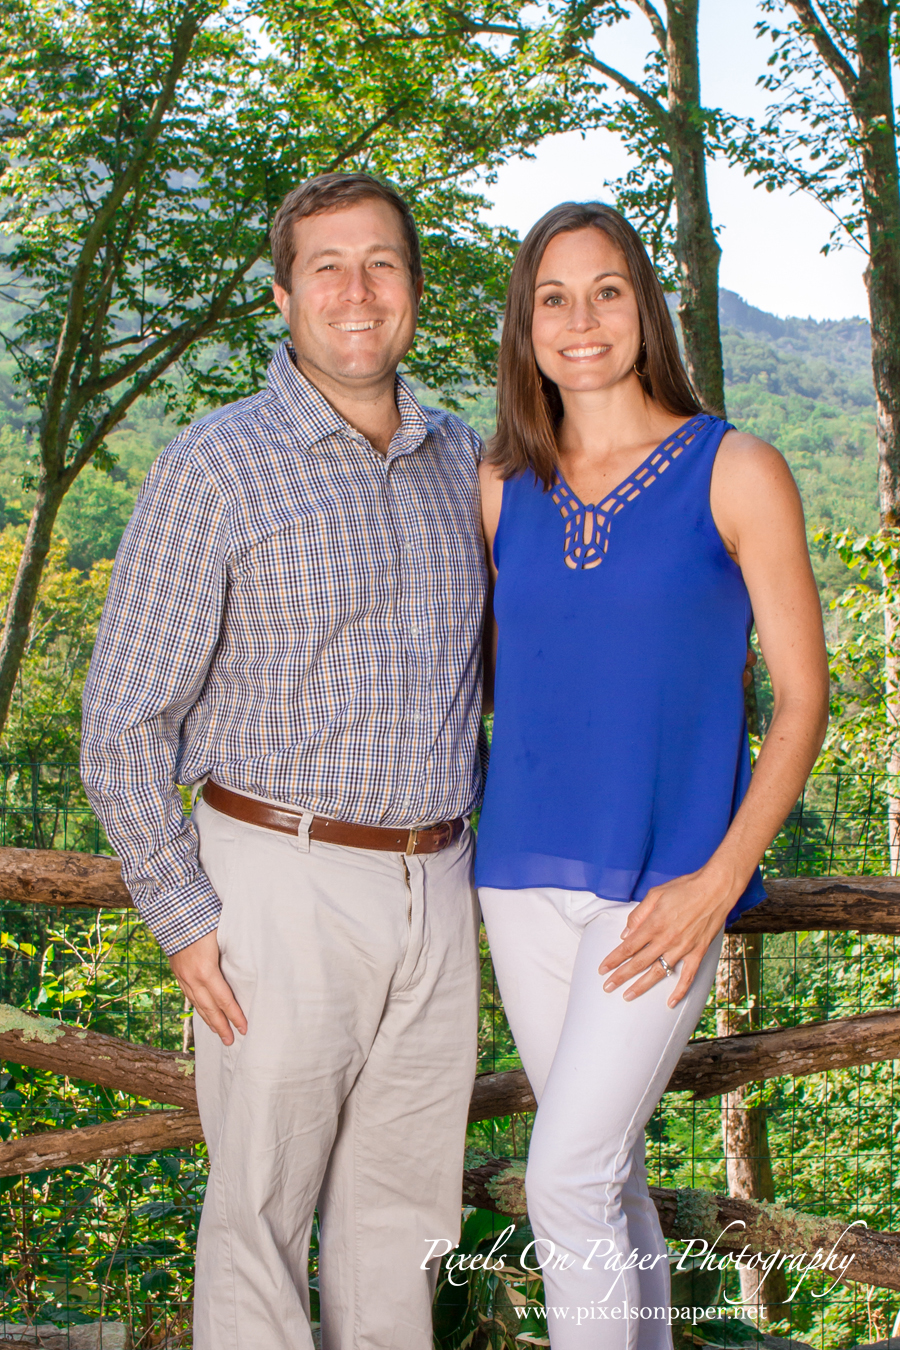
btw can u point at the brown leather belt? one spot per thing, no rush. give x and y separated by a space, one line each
423 839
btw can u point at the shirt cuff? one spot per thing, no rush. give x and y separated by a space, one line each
180 919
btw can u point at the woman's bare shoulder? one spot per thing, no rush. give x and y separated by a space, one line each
490 477
742 452
753 490
748 464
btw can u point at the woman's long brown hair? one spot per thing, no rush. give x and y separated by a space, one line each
529 407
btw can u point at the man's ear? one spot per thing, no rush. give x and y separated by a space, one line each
283 301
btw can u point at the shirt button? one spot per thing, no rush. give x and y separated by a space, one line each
414 628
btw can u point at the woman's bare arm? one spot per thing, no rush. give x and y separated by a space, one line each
757 509
491 501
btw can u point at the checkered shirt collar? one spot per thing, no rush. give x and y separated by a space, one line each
314 419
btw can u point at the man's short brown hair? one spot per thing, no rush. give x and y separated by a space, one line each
335 192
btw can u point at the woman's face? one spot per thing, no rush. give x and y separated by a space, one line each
586 329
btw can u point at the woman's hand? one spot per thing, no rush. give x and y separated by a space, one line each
677 921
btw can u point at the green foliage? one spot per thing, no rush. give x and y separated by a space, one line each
111 1239
862 734
45 718
485 1289
147 150
812 141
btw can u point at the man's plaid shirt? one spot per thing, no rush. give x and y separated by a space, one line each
297 616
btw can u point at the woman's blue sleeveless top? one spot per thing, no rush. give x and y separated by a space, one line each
620 753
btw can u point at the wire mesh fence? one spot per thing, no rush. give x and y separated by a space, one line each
112 1242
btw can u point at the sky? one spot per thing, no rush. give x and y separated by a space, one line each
770 241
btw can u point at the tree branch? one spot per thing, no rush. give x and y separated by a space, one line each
653 105
498 1184
188 336
71 331
183 335
707 1067
475 26
827 48
35 876
364 137
656 23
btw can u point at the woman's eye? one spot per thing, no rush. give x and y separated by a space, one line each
608 293
554 300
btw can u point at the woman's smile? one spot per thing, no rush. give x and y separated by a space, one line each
584 353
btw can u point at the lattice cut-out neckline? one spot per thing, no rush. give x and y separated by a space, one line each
588 527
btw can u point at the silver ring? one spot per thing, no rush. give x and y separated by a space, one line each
665 965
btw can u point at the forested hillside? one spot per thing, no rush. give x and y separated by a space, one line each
806 386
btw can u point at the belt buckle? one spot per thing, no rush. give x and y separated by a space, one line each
445 835
411 842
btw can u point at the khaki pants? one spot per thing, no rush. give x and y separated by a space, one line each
358 974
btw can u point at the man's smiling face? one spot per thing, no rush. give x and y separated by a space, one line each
353 303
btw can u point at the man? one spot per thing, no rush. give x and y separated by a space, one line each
294 620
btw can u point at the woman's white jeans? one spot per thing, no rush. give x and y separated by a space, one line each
598 1065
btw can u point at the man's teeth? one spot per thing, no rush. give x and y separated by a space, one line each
357 327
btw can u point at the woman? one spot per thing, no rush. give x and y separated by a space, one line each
634 539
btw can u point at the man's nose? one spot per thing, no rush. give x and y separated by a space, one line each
357 288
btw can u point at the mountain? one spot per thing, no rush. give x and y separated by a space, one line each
803 384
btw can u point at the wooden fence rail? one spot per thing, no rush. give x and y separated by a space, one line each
726 1222
795 904
707 1067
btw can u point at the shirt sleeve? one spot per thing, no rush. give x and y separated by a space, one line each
157 635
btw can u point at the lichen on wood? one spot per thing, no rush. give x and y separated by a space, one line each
32 1027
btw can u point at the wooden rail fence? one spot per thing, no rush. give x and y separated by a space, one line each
707 1067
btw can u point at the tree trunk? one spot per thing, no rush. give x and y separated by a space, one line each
745 1138
892 705
696 246
873 108
22 600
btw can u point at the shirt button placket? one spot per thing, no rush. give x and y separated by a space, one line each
414 760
